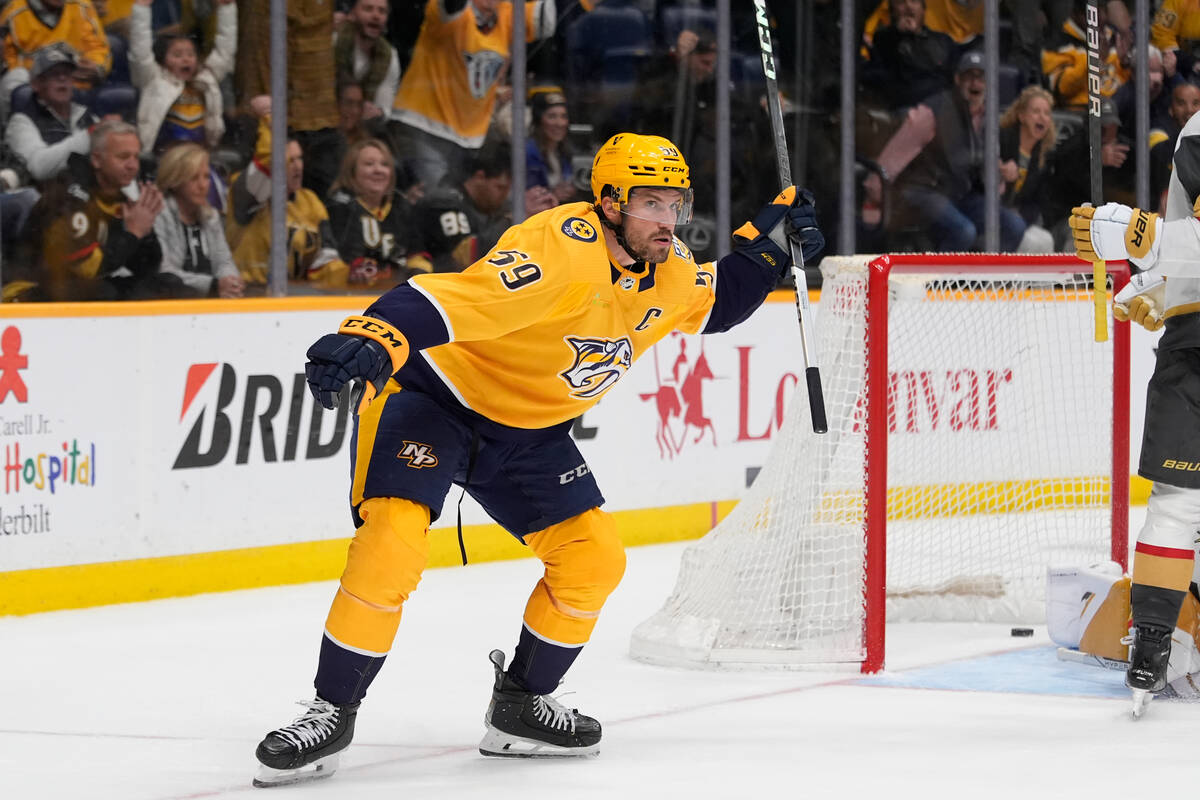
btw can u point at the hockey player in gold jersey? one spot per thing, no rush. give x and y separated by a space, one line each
473 379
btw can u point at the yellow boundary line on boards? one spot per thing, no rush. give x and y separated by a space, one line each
81 586
983 497
85 585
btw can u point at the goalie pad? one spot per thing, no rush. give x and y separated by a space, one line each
1087 609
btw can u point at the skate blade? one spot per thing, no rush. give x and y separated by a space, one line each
505 745
321 768
1141 699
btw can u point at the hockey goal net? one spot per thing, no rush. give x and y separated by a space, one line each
978 433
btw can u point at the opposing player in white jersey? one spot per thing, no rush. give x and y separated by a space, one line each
1166 292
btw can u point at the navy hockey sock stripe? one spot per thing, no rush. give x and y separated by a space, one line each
539 665
343 676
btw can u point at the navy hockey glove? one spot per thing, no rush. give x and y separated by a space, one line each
364 348
791 215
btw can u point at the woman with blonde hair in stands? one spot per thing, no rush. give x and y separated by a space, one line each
1027 135
190 231
371 221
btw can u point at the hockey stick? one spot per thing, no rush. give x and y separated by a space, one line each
1079 657
1099 271
812 375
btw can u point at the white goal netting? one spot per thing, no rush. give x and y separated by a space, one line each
999 434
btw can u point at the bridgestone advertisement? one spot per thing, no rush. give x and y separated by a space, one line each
167 434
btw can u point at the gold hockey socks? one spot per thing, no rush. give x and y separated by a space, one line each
384 564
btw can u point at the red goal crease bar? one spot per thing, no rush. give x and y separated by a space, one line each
977 432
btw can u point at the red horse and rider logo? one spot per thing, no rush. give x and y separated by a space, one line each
680 395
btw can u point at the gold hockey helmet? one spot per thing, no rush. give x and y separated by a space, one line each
629 161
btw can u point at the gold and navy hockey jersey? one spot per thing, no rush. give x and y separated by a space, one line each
539 329
32 25
449 88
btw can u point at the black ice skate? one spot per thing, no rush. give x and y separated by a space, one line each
1149 652
306 749
526 725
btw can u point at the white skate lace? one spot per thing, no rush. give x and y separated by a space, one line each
552 714
318 721
1127 639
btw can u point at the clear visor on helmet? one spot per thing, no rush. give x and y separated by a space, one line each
668 206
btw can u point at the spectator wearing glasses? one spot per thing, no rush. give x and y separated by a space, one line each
52 126
30 25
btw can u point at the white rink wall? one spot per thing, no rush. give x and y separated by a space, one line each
163 434
171 429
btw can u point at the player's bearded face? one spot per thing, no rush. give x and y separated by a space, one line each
648 241
649 220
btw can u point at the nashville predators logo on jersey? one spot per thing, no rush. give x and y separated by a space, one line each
599 363
482 70
579 229
418 455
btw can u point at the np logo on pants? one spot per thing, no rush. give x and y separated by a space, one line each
418 455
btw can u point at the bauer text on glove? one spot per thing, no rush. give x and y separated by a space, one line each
1115 232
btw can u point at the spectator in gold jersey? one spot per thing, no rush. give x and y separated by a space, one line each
446 97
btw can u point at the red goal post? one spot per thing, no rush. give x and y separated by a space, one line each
977 435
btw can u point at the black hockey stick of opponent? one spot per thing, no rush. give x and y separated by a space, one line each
1095 167
812 375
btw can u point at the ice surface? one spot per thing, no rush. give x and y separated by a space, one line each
167 700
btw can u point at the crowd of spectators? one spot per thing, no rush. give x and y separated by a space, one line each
136 153
920 118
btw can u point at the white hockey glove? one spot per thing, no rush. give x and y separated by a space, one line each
1143 300
1115 232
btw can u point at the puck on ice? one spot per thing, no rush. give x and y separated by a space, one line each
1022 631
